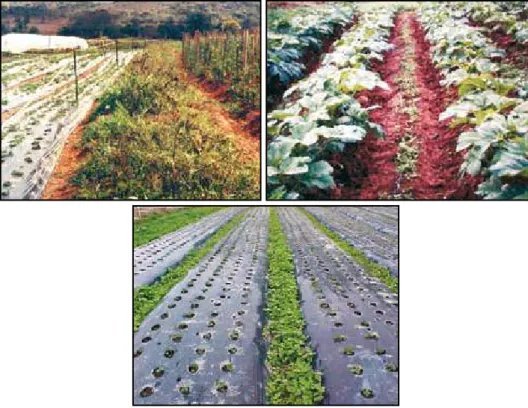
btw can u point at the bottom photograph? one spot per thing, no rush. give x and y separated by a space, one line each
266 305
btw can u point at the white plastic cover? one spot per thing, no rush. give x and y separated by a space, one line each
18 43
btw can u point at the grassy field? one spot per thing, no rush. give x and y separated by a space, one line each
155 225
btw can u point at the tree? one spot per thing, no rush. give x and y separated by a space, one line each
198 22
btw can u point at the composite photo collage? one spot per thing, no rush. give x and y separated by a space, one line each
208 202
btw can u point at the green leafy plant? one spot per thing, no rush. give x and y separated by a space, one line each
292 380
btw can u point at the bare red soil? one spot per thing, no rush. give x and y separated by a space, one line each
60 186
438 161
516 53
369 170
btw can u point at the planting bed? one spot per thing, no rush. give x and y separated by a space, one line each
375 239
202 344
352 318
272 309
153 259
42 116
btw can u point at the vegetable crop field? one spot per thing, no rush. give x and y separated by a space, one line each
396 100
138 130
259 305
39 111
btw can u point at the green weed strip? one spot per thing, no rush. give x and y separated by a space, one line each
167 147
292 379
148 297
159 224
153 259
379 247
200 345
351 319
374 269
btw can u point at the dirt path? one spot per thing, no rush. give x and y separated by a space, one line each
417 159
59 186
246 143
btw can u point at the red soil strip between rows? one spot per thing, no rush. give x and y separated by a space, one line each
369 171
250 118
247 142
59 185
438 162
26 81
516 53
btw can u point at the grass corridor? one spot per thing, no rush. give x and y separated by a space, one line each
156 225
146 298
374 269
292 379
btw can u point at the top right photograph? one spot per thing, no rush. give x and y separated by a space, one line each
397 100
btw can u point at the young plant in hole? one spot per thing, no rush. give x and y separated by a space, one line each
146 392
211 323
158 372
338 338
200 351
227 366
355 369
189 315
348 350
372 336
177 338
193 368
380 351
184 389
234 335
232 350
367 393
169 353
183 326
391 367
221 386
364 323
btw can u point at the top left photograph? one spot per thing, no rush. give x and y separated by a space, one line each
105 100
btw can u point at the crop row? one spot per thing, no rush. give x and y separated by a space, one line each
231 59
490 102
33 137
294 35
322 114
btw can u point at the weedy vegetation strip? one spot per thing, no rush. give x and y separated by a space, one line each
374 269
156 225
147 297
292 379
